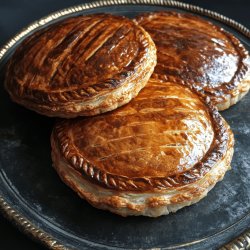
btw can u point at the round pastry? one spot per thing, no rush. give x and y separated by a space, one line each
83 65
196 52
164 150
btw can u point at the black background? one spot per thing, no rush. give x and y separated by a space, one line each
16 14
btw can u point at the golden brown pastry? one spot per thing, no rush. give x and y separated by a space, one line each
83 65
164 150
196 52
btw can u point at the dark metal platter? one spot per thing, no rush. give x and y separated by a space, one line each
33 196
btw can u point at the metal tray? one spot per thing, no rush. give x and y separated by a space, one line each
34 198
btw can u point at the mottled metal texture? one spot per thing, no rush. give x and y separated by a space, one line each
26 170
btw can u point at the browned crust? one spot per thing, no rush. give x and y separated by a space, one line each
228 93
216 152
110 101
46 89
236 95
154 204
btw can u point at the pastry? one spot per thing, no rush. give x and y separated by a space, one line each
81 66
162 151
193 51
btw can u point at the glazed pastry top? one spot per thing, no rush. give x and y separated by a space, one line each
79 57
196 52
165 137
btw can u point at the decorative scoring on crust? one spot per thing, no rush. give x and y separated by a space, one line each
149 204
13 214
232 45
49 86
216 152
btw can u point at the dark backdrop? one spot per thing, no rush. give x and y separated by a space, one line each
15 14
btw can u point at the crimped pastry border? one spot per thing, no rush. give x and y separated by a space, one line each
77 93
107 102
227 94
152 204
216 152
29 227
98 98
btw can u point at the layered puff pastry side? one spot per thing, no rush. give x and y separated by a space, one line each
195 52
81 66
164 150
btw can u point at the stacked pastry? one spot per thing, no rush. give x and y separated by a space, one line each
168 146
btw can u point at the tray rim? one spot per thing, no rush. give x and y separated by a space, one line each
26 226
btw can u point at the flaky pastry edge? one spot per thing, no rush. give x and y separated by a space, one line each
235 95
104 102
241 79
151 204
